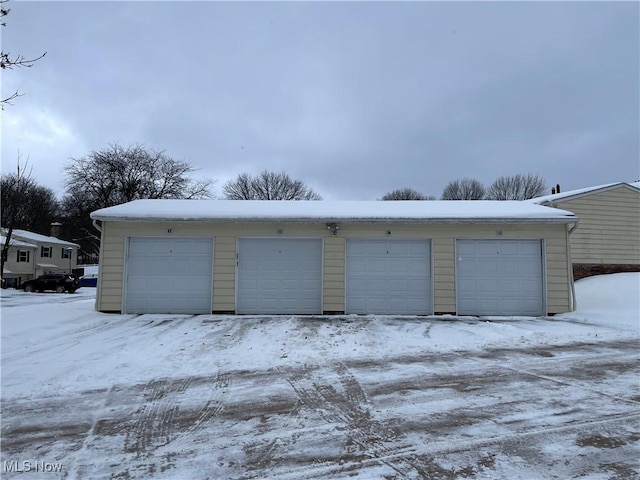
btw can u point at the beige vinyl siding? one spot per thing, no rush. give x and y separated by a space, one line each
442 237
609 230
110 276
224 273
334 274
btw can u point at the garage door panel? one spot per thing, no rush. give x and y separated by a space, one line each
499 277
402 267
190 268
466 305
148 246
487 266
529 248
509 266
486 248
465 268
388 276
527 265
510 248
418 287
507 288
148 267
417 267
357 249
375 266
466 248
169 275
397 249
418 250
372 249
375 284
487 286
397 285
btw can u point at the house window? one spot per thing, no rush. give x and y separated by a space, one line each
66 253
45 252
23 256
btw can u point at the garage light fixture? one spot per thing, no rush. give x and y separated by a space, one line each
334 227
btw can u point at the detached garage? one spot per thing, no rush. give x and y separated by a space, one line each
383 258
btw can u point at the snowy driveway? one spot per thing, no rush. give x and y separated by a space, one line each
208 397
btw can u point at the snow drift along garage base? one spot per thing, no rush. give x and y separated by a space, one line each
307 257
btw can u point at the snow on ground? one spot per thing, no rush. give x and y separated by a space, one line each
609 300
210 396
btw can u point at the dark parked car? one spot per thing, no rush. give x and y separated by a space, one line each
59 282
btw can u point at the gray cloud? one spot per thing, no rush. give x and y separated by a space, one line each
354 98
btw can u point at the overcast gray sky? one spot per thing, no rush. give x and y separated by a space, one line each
356 99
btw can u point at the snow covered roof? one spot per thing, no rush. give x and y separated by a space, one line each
16 243
581 191
326 211
36 237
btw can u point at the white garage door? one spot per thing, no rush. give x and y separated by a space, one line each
499 277
279 276
169 275
388 277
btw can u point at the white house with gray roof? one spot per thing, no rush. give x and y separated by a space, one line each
32 254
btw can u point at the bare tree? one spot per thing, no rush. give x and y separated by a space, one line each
406 194
517 187
118 175
464 189
121 174
7 61
25 205
268 186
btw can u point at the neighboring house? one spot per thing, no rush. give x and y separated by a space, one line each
607 239
297 257
20 263
51 254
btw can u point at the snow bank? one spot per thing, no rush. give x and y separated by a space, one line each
611 301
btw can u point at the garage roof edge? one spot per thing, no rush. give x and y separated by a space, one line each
458 211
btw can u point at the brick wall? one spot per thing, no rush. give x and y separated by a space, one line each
582 270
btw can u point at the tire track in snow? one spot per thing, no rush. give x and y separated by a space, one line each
367 438
213 407
154 423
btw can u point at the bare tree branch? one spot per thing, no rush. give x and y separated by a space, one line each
464 189
19 61
268 186
517 187
406 194
7 62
